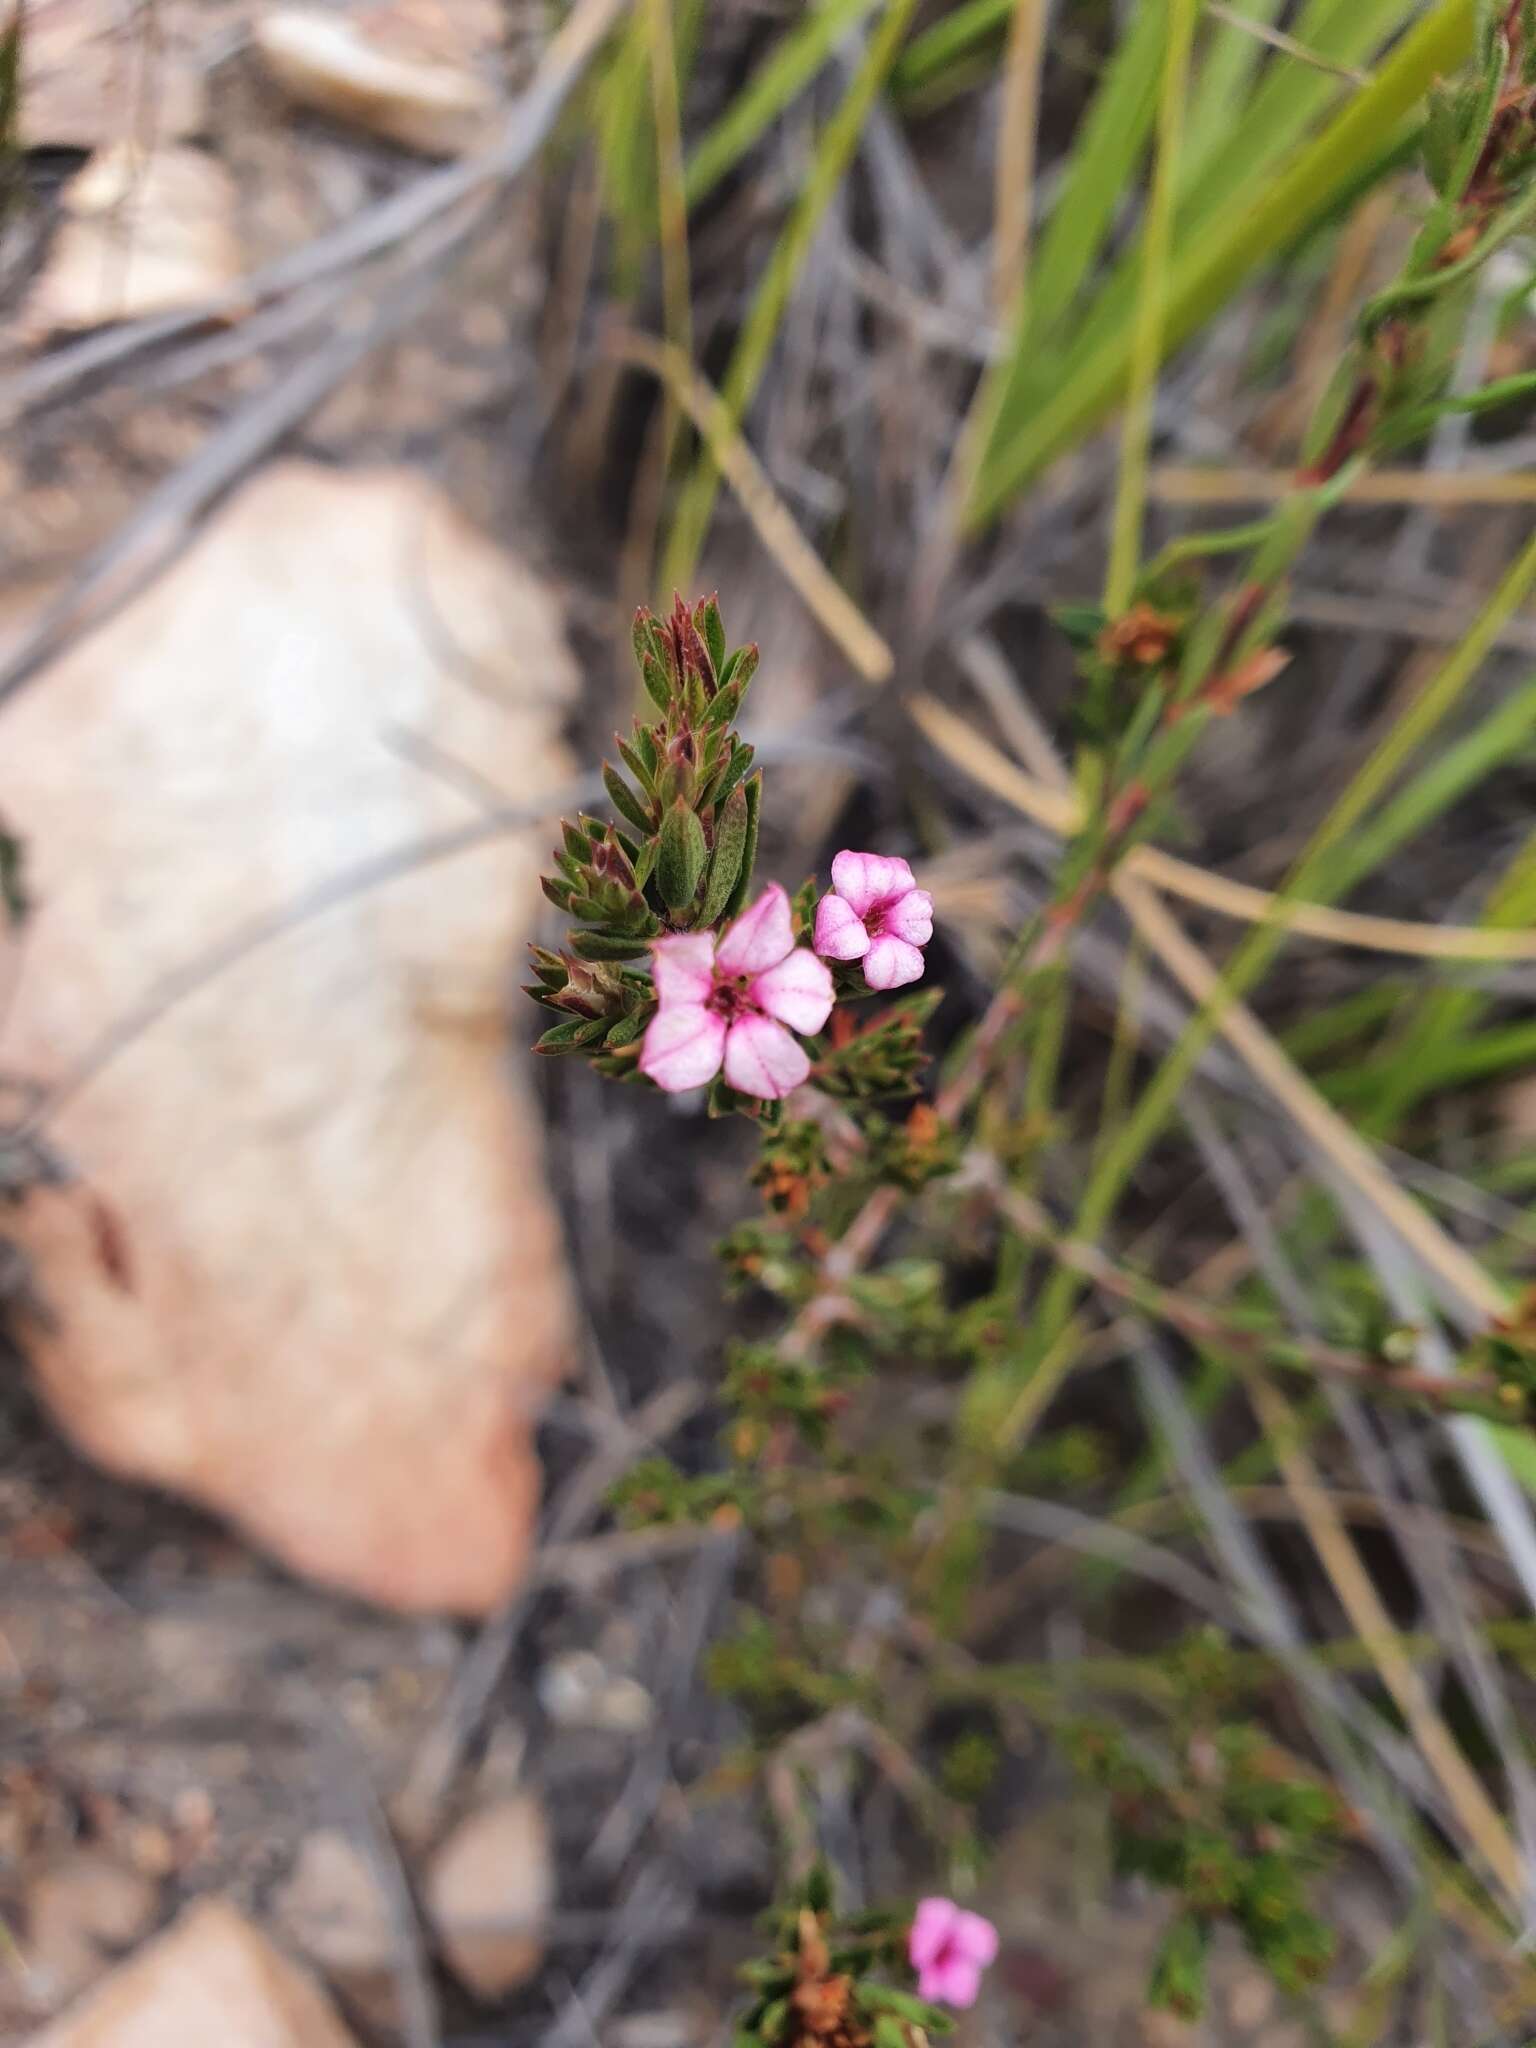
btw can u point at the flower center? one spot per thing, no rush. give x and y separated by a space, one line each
730 1000
874 919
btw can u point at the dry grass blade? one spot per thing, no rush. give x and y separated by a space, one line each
1446 490
1062 814
823 595
1336 1551
1015 189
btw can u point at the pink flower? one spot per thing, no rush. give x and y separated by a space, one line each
949 1948
729 1003
877 915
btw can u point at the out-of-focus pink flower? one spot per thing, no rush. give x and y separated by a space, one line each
949 1948
876 914
728 1002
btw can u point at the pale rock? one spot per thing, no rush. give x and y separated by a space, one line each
488 1892
577 1690
212 1978
332 1906
362 74
140 234
79 1910
337 1296
95 72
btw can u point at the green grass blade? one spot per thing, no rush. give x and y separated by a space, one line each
1249 228
1507 731
1232 167
1110 145
754 346
961 34
779 80
1232 56
1151 306
1293 96
1436 1046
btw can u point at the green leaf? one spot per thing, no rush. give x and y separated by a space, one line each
577 843
625 1032
885 1998
1081 623
573 1036
725 861
1178 1972
643 635
771 2026
625 802
680 856
738 896
712 631
741 668
658 682
609 946
723 707
740 762
633 761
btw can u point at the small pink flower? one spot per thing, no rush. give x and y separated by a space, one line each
949 1948
728 1003
876 914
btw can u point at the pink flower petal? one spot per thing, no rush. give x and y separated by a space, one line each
891 963
840 933
762 1059
865 879
798 991
956 1982
975 1938
682 1047
683 968
760 937
910 917
931 1925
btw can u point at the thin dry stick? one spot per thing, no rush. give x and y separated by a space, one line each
1167 1513
1360 1601
1277 39
1013 203
823 596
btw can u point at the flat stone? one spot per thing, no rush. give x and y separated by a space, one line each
311 1275
488 1892
367 74
212 1978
